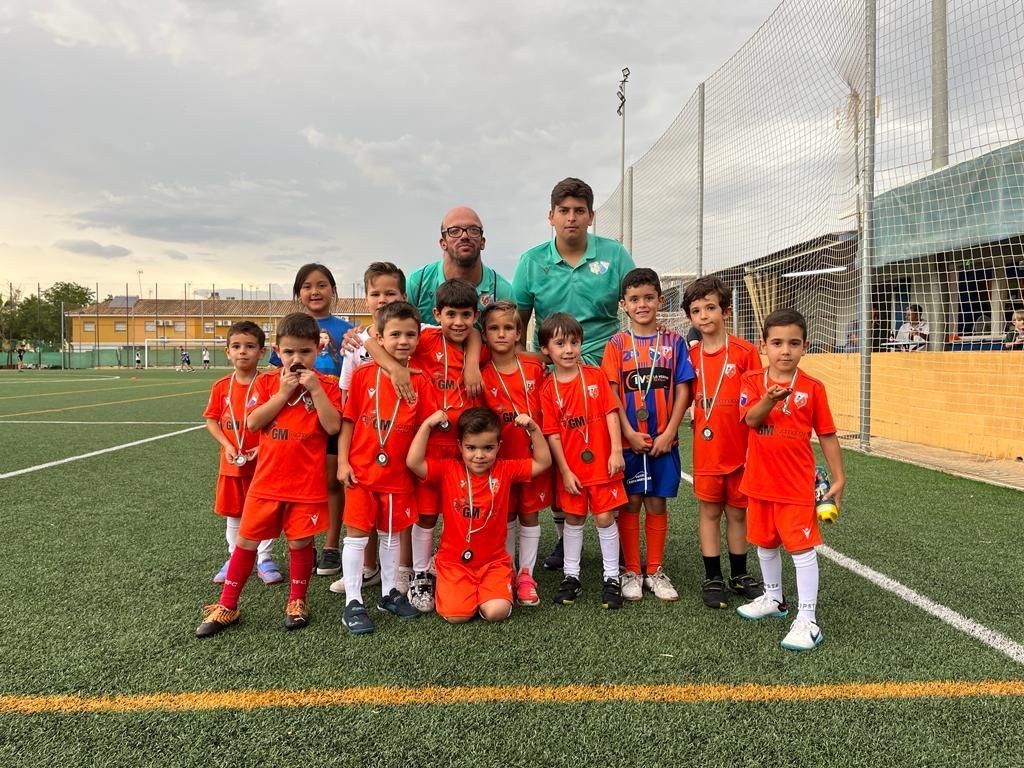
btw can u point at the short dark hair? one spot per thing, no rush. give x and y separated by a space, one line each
298 325
559 324
380 269
455 293
916 308
501 305
477 420
705 286
250 328
305 271
396 310
784 317
572 187
638 277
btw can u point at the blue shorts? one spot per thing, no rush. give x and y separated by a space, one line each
646 476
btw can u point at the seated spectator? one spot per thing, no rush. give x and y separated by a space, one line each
913 334
877 334
1014 338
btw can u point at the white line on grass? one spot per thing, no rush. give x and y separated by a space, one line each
89 455
40 421
56 380
990 637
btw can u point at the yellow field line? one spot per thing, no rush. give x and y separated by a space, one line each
568 694
99 405
87 391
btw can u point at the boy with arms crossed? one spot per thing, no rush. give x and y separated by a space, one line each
512 384
649 372
376 431
225 419
474 572
719 439
782 405
295 412
581 420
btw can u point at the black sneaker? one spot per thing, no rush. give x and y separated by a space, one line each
568 590
296 614
746 585
611 594
395 602
355 618
556 559
329 563
712 592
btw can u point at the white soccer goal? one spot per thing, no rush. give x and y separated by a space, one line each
166 353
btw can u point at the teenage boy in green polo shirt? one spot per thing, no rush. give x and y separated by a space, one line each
575 272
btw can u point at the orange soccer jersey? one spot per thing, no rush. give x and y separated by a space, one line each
478 527
293 446
378 414
228 406
442 361
577 411
726 450
780 461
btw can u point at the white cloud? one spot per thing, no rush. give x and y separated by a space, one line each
92 248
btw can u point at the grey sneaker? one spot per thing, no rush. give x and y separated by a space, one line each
329 563
660 584
421 592
403 579
632 586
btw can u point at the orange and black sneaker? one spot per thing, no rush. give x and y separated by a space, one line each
216 619
296 615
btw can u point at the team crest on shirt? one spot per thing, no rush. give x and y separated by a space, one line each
307 400
494 484
730 369
599 267
743 397
530 386
592 390
799 399
666 351
252 401
485 299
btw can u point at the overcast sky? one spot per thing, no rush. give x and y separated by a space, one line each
228 142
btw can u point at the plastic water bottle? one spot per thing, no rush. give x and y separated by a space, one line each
826 508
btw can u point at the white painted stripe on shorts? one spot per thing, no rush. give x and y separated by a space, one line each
41 421
990 637
89 455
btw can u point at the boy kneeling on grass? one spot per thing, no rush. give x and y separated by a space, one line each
295 412
474 571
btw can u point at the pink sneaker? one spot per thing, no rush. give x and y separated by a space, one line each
526 589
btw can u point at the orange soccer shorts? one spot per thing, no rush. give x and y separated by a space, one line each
598 498
369 510
462 589
718 489
231 493
267 518
525 498
770 523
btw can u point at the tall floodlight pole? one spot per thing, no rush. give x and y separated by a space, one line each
622 157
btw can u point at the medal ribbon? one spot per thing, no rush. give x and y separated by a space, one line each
586 409
652 355
703 383
490 511
508 394
239 433
444 391
383 438
792 383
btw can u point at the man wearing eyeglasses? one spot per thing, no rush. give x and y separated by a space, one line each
462 241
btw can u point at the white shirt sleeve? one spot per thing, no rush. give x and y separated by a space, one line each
352 361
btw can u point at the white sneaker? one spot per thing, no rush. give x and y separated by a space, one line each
804 635
661 585
371 577
764 607
632 586
403 578
421 592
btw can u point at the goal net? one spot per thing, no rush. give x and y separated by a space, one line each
168 353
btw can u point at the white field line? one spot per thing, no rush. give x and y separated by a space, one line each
89 455
55 380
40 421
990 637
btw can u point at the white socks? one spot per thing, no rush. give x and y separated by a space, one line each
388 557
510 540
572 540
771 572
529 543
806 565
422 547
263 551
352 567
609 538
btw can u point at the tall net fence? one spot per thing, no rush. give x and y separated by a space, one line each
775 144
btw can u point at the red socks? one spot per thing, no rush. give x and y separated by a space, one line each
629 539
300 566
239 570
655 528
